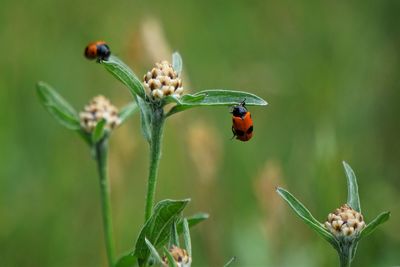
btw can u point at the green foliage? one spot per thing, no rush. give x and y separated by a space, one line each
186 237
216 97
177 62
158 226
99 131
153 252
127 260
353 200
124 74
145 118
171 260
192 221
381 218
346 246
174 237
57 106
307 217
229 263
127 111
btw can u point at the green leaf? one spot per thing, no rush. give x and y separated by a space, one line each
230 262
85 136
171 99
186 237
381 218
127 111
157 228
192 221
124 74
99 131
174 237
307 217
127 260
177 62
195 219
217 97
188 98
171 260
58 107
353 200
354 250
145 118
153 251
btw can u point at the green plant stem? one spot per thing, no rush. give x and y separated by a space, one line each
345 254
101 158
344 261
157 126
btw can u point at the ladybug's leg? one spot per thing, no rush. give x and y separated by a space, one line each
243 103
234 133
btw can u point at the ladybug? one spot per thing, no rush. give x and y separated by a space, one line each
242 126
97 50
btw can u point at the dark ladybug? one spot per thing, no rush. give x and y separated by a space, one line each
97 50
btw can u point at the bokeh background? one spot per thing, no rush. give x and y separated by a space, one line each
329 70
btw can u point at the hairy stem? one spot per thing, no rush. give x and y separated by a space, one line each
101 158
157 126
345 254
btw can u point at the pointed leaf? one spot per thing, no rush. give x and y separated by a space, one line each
145 118
192 221
57 106
230 262
353 200
306 216
99 131
174 237
85 136
188 98
177 62
196 218
381 218
127 260
153 251
186 237
354 250
124 74
127 111
218 97
171 260
171 99
157 228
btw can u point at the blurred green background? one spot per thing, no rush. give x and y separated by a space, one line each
329 70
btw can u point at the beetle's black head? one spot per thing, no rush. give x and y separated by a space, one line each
103 51
239 110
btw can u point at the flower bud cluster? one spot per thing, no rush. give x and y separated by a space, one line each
181 257
162 81
99 108
345 222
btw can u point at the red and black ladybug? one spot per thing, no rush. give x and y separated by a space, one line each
242 126
97 50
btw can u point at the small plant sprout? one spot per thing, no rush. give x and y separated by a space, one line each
345 227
